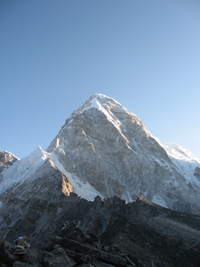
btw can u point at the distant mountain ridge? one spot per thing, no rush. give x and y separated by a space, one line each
103 149
7 159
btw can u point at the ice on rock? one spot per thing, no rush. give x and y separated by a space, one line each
104 149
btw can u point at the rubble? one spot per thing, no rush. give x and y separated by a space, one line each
106 233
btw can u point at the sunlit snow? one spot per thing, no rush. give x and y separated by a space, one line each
159 200
182 159
82 189
25 168
22 169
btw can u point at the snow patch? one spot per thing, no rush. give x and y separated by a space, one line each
83 189
183 159
127 197
11 154
60 150
157 199
22 169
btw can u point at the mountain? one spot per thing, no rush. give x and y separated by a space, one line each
7 159
105 145
78 202
70 231
103 149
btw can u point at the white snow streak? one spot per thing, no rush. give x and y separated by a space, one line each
25 168
185 161
157 199
83 189
22 169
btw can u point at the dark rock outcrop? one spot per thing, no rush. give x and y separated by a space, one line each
57 257
103 233
197 172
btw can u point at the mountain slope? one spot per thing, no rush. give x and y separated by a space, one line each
107 146
6 160
103 149
99 233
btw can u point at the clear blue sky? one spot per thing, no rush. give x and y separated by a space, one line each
55 54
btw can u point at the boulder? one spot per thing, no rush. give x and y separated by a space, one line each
57 257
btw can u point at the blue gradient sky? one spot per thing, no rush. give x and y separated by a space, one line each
56 54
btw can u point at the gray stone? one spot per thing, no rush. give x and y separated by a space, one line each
111 149
139 233
25 264
197 172
58 257
7 159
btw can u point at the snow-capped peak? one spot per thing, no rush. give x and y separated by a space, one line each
104 149
179 152
108 106
22 169
7 159
9 154
185 161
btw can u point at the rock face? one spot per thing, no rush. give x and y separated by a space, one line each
35 200
105 145
103 149
6 160
75 232
197 172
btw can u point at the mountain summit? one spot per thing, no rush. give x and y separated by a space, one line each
105 154
104 149
108 147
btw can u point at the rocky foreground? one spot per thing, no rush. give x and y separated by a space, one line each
104 233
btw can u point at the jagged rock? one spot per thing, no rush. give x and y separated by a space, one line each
72 231
6 253
93 252
197 172
86 265
34 256
97 263
7 159
25 264
57 257
141 230
105 150
105 145
78 257
129 261
47 201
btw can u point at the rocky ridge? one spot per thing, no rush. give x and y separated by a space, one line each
77 202
103 149
103 233
105 145
6 160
